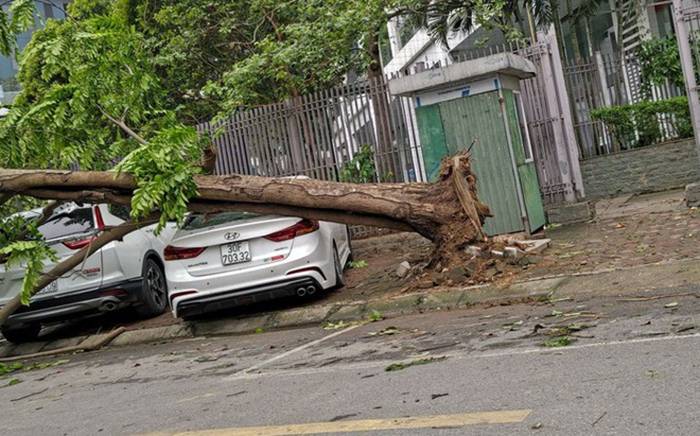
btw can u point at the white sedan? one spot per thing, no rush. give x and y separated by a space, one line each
230 259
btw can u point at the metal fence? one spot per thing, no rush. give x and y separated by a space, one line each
317 134
603 81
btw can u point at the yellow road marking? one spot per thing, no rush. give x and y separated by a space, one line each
418 422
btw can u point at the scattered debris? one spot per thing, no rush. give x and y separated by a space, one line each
385 332
559 341
671 305
328 325
259 330
536 426
652 373
14 381
375 316
12 367
659 297
403 365
435 396
23 397
403 269
357 264
599 418
685 328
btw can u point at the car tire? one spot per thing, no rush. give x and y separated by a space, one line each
339 276
350 256
154 291
28 333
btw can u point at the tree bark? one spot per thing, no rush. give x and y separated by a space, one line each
437 211
105 238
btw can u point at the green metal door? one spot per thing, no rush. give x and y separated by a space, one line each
477 119
522 151
432 138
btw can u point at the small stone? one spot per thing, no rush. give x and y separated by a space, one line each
458 274
474 250
403 269
425 285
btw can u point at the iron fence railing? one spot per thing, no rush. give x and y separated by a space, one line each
317 134
604 81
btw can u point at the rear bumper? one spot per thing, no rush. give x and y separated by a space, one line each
198 305
64 307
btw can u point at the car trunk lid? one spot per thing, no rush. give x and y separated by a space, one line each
232 241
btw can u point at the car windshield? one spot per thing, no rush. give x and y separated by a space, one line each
198 221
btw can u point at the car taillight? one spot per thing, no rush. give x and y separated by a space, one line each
77 244
303 227
179 253
99 221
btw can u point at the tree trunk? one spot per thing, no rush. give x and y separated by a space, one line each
447 212
105 238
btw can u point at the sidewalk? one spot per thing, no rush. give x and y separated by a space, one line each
636 244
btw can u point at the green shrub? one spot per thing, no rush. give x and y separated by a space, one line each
361 168
659 61
639 124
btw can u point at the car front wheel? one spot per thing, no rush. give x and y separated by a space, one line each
154 292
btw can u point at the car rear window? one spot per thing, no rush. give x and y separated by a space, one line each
67 224
196 221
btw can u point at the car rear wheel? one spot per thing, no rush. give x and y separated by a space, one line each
339 277
28 333
154 295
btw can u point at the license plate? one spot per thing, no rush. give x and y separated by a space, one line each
52 288
236 252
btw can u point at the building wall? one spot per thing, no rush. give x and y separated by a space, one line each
647 169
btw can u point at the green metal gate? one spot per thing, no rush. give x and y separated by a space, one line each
448 127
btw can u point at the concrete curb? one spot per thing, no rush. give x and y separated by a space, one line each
437 299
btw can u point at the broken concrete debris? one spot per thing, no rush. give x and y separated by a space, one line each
403 269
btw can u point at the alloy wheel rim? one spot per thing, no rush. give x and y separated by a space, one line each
154 281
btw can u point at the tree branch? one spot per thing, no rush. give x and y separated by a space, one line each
122 125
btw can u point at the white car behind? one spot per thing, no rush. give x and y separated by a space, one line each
230 259
123 273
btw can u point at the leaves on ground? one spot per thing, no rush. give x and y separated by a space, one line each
357 264
403 365
8 368
14 381
375 316
559 341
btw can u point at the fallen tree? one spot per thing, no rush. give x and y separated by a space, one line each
447 212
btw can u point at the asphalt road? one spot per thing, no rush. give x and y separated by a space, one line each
632 368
